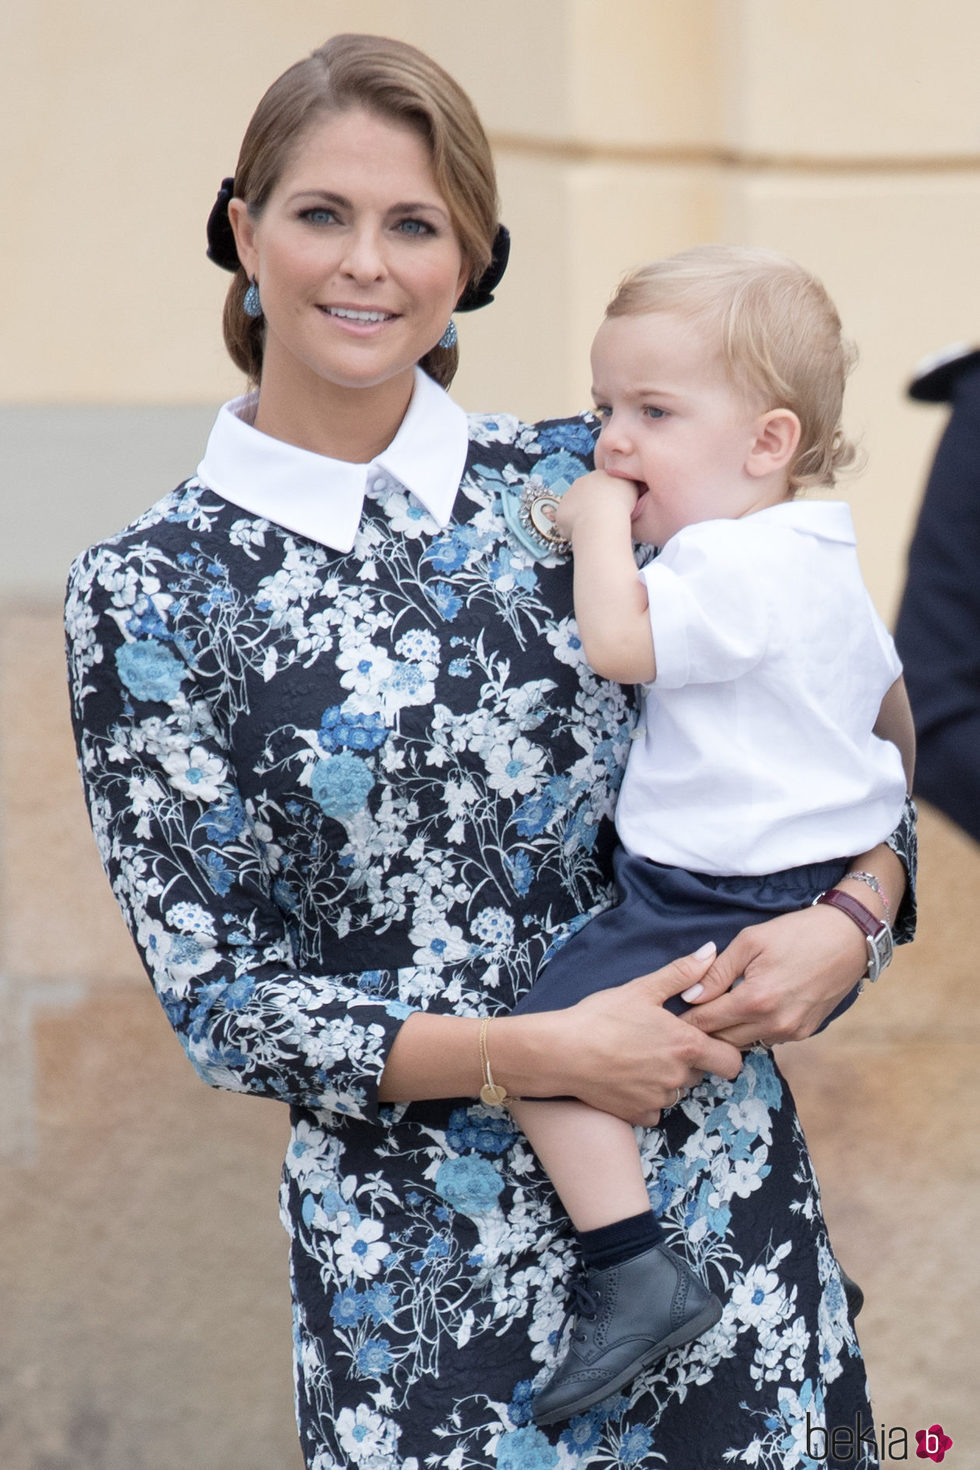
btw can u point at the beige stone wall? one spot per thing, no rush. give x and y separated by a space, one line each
847 133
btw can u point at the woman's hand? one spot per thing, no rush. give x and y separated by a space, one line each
779 980
620 1051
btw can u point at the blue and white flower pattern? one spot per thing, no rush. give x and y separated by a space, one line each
330 789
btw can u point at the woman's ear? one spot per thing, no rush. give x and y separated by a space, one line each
243 228
776 437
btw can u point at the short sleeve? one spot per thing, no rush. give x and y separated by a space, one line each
886 642
710 607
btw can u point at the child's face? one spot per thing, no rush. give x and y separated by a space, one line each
672 422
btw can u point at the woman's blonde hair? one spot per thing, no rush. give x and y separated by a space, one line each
778 333
396 82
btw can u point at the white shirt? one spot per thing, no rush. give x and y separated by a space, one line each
323 498
755 750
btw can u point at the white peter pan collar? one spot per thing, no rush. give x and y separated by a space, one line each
323 498
830 520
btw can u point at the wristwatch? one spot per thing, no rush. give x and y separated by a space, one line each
877 932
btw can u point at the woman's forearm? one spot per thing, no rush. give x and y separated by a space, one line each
435 1056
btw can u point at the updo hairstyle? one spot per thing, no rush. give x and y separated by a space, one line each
394 81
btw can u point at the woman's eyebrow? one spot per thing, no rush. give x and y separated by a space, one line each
327 196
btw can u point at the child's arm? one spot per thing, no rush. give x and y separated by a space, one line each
894 723
610 598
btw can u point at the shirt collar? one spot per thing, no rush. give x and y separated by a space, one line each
323 498
831 520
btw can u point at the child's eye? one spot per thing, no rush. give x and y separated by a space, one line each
602 411
655 413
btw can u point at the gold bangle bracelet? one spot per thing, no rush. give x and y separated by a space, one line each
491 1092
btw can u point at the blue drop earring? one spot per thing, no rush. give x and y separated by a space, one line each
449 337
251 305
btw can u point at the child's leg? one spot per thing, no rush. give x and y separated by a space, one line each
590 1157
638 1299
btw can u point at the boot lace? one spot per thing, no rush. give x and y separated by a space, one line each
584 1303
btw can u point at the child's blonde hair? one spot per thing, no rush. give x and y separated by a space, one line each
778 332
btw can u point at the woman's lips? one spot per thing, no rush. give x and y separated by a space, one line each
358 313
359 321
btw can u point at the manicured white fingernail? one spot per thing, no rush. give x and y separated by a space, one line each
692 992
705 950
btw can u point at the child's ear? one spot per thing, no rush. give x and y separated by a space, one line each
775 439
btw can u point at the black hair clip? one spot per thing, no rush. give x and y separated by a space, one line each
221 236
480 293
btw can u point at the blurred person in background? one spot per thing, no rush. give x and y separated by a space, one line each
938 629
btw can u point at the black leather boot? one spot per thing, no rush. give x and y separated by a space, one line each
625 1317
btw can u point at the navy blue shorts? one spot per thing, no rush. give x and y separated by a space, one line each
663 913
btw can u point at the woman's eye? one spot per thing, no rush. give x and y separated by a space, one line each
414 227
319 215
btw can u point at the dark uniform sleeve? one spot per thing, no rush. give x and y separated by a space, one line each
938 631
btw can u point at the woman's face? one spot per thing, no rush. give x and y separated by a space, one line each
355 256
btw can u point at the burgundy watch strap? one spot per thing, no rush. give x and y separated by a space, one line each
863 918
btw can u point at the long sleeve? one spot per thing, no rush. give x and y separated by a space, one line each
192 866
904 843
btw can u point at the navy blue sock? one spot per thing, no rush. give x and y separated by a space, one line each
611 1245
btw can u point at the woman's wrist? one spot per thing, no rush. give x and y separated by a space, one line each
493 1093
858 875
861 896
528 1055
877 880
871 896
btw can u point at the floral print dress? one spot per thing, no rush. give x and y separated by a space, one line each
331 788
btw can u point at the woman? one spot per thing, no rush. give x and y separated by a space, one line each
351 776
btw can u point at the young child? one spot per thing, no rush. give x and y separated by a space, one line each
774 740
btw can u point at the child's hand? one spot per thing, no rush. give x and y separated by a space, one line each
596 494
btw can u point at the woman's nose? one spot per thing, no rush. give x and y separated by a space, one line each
364 257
